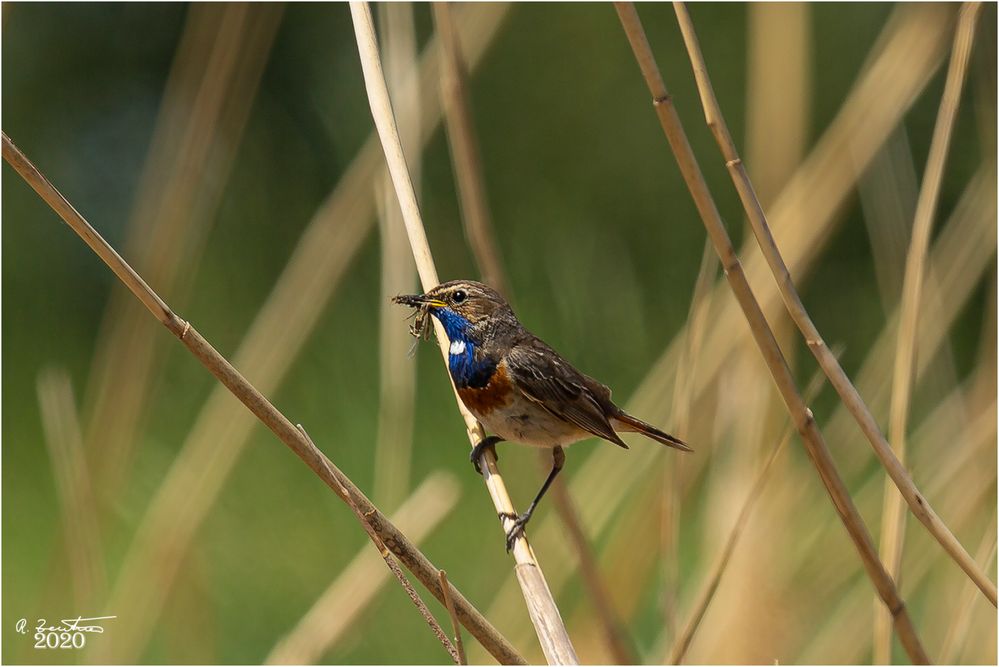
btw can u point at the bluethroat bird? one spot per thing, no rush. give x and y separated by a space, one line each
519 388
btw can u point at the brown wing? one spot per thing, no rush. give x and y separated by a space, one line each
548 380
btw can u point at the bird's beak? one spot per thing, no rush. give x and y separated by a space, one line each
419 301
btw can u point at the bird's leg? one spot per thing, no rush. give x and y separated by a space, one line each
481 446
558 460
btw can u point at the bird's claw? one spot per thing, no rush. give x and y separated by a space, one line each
484 444
517 529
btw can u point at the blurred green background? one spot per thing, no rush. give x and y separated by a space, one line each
601 243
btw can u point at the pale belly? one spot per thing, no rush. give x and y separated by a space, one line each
528 423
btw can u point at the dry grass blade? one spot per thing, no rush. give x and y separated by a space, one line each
762 333
455 627
465 153
385 553
844 387
206 105
892 517
77 505
263 409
357 585
548 623
682 642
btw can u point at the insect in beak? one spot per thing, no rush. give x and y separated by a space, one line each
420 328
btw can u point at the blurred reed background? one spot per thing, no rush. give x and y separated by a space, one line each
227 152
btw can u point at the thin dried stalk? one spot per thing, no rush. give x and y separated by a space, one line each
199 128
900 65
682 642
477 222
544 613
77 505
455 627
465 157
357 585
397 368
385 553
403 549
312 275
763 335
892 518
957 633
792 301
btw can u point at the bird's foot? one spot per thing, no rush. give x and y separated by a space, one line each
481 446
517 529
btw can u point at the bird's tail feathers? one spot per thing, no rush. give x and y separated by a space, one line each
625 422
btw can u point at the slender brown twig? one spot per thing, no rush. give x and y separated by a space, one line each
892 517
792 301
763 335
544 613
455 627
384 552
264 410
954 640
355 586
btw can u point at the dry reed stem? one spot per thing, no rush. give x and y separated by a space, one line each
331 616
465 155
403 549
846 622
311 276
763 335
544 613
682 642
71 475
397 368
455 627
899 66
386 555
844 387
892 518
205 110
957 633
478 226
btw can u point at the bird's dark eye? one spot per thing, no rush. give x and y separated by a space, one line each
459 296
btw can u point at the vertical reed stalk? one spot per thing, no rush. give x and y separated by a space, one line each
892 517
548 623
792 301
762 334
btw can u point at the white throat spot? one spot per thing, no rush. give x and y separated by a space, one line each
458 347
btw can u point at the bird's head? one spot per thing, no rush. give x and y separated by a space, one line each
459 305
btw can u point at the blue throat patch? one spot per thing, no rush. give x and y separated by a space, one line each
465 370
